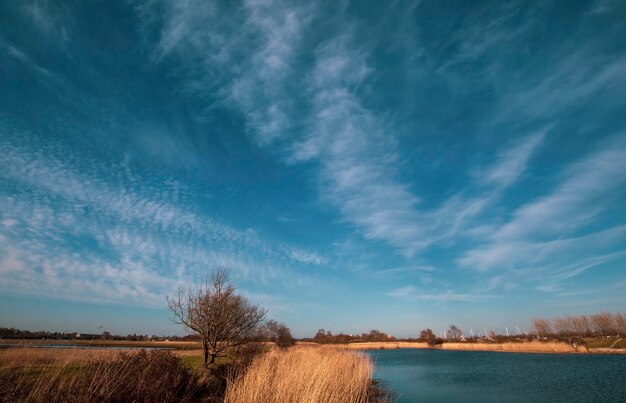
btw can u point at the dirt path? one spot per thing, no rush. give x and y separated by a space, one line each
615 343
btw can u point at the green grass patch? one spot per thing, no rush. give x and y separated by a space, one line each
602 342
197 361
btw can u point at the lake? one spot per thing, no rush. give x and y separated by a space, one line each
456 376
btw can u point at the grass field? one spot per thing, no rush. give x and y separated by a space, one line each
79 375
301 373
175 345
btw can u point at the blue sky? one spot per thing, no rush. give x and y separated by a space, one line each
358 165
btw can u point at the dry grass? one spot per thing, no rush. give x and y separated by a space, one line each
520 347
174 345
31 357
98 375
304 374
607 350
386 345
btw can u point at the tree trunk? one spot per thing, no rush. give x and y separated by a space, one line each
212 359
206 355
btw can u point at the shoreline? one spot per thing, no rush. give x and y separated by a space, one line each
537 347
527 347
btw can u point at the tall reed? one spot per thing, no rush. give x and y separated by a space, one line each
139 377
304 374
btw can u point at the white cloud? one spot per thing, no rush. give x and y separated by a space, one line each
578 199
74 233
319 117
357 160
513 161
410 293
553 239
306 257
579 74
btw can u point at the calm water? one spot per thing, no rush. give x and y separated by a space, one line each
470 376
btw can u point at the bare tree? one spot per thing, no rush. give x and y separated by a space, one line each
279 333
541 327
454 332
427 335
621 323
582 325
562 325
222 318
604 323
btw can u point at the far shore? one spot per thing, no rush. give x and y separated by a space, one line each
550 347
183 347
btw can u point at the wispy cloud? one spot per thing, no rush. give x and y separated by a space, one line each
410 293
358 164
98 233
538 240
27 61
579 76
512 162
581 196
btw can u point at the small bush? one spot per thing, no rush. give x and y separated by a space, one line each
435 342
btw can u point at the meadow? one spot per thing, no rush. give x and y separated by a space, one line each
301 373
81 375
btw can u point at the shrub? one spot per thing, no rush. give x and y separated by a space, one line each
435 342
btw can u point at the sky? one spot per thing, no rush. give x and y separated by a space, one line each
357 165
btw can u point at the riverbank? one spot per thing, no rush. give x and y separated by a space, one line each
543 347
520 347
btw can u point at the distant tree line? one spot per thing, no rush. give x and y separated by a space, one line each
327 337
13 333
600 324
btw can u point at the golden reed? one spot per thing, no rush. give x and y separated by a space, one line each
304 374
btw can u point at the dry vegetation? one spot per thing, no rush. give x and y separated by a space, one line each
521 347
600 324
22 357
79 376
301 373
385 345
304 374
172 345
518 346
